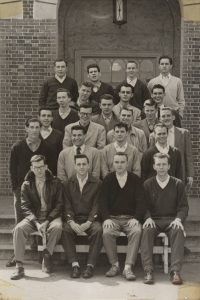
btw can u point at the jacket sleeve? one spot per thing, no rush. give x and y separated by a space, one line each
26 205
96 163
67 137
179 169
140 200
103 199
68 212
189 167
95 207
136 168
57 210
182 204
13 168
180 97
104 163
74 93
101 138
43 94
61 172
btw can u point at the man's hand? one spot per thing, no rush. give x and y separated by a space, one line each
86 225
42 228
176 224
108 224
76 227
149 223
189 181
132 222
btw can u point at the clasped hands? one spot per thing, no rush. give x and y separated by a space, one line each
110 224
42 228
80 229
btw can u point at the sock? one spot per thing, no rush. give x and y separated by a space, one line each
90 265
75 263
127 267
116 264
19 264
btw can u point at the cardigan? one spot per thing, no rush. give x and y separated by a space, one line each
105 88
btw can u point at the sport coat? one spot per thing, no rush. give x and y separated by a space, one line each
100 120
143 125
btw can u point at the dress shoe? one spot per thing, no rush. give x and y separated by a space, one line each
88 272
11 262
114 271
46 263
148 278
19 273
129 275
176 278
76 272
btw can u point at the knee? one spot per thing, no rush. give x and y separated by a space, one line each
107 232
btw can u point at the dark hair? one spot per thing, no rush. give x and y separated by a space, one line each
161 156
158 86
106 97
45 108
127 109
36 158
31 120
161 125
87 84
126 85
122 154
121 125
78 127
149 102
166 57
59 60
85 106
132 62
93 66
81 156
63 90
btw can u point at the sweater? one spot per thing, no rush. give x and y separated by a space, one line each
105 88
170 202
59 123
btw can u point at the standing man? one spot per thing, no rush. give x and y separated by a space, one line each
42 201
81 216
167 211
174 94
122 208
51 85
141 92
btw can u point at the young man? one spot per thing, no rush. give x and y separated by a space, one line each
81 215
66 165
106 118
141 92
51 85
122 208
162 146
95 133
120 144
42 201
64 115
99 87
125 94
167 211
174 94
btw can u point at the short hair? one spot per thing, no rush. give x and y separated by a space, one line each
166 57
78 127
85 106
158 86
93 66
63 90
121 154
132 62
121 125
126 85
161 125
87 84
77 156
59 60
173 111
45 108
37 158
106 97
31 120
127 109
161 156
149 102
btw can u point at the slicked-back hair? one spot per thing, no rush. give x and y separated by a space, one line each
77 156
132 62
107 97
126 85
160 125
158 86
93 66
127 109
63 90
45 108
78 127
121 125
166 57
31 120
85 106
37 158
121 154
87 84
149 102
59 60
161 156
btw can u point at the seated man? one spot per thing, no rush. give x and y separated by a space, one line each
41 201
120 145
80 216
122 208
66 165
95 133
167 211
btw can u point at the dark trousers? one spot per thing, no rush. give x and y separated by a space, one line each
176 238
94 234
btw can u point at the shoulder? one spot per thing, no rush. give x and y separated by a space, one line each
65 152
69 79
96 117
19 144
96 126
177 182
57 132
150 181
134 177
69 126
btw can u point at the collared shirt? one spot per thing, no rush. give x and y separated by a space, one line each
82 182
107 119
60 79
82 148
163 184
64 115
40 185
132 81
96 86
122 179
171 137
120 148
165 79
45 132
33 145
164 150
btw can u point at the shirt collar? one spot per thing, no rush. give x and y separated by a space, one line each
132 81
119 148
60 79
119 177
163 183
82 148
84 180
164 150
168 76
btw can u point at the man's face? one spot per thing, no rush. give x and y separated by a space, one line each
126 117
125 94
33 130
81 166
78 137
120 134
165 66
85 92
158 95
63 99
85 115
120 164
131 70
46 118
161 135
106 106
60 69
93 74
166 118
161 166
150 112
39 168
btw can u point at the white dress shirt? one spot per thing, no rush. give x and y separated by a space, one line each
122 179
45 132
82 182
120 149
132 81
163 150
165 79
60 79
163 184
64 115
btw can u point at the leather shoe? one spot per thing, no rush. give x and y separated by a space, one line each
46 263
19 273
76 272
113 271
148 278
88 272
129 275
11 262
176 278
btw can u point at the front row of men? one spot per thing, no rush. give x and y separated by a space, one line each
121 202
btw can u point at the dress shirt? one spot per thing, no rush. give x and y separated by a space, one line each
151 125
64 115
164 150
163 184
33 145
171 137
120 149
82 182
40 185
107 119
96 86
132 81
122 179
60 79
165 79
45 132
82 148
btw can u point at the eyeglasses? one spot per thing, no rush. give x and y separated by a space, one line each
38 168
82 114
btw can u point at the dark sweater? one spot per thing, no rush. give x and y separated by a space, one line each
59 123
105 88
129 200
48 93
169 202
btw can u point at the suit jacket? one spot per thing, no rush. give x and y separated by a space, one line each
136 111
107 159
143 125
66 162
100 120
95 136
